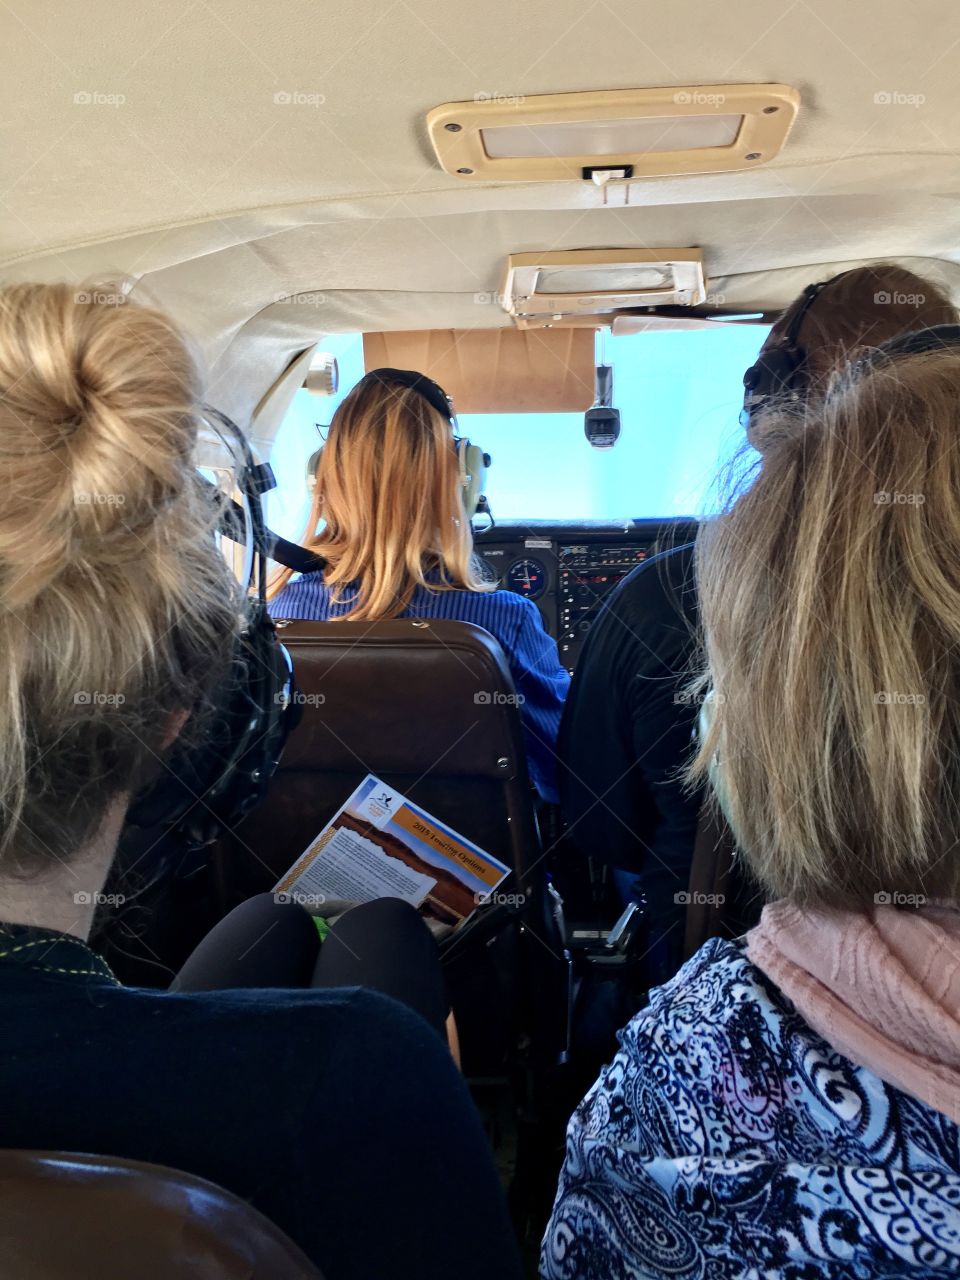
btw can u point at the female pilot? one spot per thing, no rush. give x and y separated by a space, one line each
338 1113
397 543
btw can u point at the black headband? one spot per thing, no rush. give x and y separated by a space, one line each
807 299
938 337
431 391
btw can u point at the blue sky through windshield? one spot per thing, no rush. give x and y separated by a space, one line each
679 396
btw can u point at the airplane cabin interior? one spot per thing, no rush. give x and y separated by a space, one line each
579 223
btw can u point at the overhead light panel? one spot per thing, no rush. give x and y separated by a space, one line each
548 288
599 277
626 133
618 138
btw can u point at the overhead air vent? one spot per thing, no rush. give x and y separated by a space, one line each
618 133
584 286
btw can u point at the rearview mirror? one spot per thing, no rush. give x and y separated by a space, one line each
601 424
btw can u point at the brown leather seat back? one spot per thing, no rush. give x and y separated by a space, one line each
428 706
84 1217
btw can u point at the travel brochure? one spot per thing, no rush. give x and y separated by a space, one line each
381 845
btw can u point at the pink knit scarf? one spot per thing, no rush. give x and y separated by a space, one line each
881 987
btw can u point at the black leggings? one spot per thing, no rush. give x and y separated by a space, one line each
384 945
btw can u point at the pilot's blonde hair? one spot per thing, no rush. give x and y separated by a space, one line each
830 596
389 496
116 609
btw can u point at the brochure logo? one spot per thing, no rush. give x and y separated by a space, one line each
380 806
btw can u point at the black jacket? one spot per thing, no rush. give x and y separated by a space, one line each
627 730
338 1113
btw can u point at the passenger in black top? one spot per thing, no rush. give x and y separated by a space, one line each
627 725
623 735
339 1113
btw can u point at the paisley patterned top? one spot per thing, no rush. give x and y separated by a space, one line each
727 1139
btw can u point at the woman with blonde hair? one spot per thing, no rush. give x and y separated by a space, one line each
388 518
118 616
627 722
789 1104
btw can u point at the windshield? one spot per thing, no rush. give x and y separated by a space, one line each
679 394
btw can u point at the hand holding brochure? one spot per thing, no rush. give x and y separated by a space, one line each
380 845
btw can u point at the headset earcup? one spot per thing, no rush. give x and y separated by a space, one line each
203 787
313 463
774 375
473 475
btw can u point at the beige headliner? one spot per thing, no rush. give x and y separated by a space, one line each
217 200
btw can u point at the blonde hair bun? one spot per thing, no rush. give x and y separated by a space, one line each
97 423
116 608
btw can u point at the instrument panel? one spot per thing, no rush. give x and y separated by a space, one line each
569 568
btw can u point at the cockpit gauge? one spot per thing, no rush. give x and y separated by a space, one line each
527 578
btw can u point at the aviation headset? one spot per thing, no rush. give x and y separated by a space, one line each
472 462
938 337
780 373
208 786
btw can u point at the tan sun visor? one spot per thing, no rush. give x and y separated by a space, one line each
495 370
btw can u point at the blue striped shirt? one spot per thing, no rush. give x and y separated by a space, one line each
512 620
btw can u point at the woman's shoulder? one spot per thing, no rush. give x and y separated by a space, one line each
745 1072
688 1039
358 1022
726 1132
499 595
473 606
304 598
509 603
710 990
659 592
720 1011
